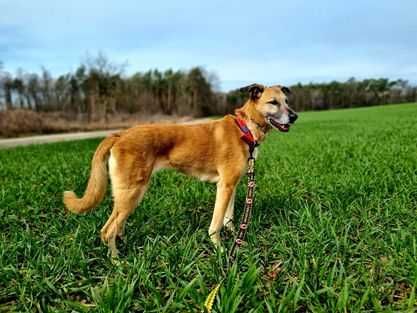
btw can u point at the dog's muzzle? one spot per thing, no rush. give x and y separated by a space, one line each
277 125
284 127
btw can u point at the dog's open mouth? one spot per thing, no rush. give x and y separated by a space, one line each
281 127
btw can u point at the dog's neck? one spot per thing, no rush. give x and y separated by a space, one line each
255 121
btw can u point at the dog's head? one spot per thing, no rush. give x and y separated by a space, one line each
271 105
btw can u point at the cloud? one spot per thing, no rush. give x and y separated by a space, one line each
243 41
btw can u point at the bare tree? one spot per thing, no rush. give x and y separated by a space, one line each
46 85
2 94
101 82
33 90
8 89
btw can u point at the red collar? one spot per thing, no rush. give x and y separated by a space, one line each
246 134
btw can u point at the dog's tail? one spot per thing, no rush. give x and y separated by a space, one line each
97 183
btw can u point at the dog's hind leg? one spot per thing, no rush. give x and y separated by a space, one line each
129 184
125 201
121 229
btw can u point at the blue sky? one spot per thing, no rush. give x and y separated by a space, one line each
241 41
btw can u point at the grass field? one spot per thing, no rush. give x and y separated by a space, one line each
334 228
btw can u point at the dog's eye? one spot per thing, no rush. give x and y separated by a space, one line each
274 102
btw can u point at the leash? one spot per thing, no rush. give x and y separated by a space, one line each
247 137
247 211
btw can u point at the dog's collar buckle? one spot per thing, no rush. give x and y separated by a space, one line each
247 135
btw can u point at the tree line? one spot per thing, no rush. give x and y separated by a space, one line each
98 88
349 94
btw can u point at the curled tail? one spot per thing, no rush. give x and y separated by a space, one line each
97 183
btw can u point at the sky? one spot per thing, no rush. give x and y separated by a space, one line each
269 42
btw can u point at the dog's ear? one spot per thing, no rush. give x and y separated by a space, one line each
255 90
286 90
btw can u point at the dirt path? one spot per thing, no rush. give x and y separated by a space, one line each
24 141
32 140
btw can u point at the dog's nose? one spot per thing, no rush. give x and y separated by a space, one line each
293 116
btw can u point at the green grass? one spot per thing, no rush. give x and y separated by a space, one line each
334 228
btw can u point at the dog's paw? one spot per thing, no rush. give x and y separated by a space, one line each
115 261
218 248
113 254
231 228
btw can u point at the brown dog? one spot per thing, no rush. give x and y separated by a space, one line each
212 151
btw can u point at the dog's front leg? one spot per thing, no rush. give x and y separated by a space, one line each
223 196
228 217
